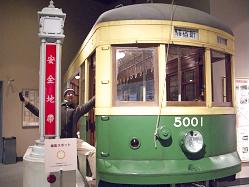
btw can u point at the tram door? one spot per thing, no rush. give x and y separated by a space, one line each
91 116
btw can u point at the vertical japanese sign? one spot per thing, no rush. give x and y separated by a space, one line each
50 77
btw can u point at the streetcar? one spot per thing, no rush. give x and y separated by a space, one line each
163 77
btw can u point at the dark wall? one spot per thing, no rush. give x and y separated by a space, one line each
81 16
19 26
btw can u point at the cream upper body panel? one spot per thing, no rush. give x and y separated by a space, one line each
147 31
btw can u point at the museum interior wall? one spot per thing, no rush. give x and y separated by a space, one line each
19 53
235 14
19 47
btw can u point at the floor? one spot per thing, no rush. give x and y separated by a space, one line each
14 171
11 176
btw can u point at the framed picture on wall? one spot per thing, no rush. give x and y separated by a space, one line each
242 121
29 119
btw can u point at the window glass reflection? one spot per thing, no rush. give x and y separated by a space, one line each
221 77
185 73
135 69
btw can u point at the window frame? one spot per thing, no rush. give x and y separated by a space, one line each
118 103
230 95
196 74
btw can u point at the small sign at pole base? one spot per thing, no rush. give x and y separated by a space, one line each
60 154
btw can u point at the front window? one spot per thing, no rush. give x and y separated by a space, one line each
185 75
221 79
135 74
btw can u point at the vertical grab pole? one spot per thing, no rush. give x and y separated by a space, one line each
58 89
61 173
41 91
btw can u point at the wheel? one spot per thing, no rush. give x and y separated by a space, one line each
213 183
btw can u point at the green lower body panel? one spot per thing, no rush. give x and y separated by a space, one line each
162 158
168 171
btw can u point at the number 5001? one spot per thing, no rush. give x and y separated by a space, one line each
188 121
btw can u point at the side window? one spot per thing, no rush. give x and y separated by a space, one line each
82 82
185 74
74 84
135 74
221 79
91 91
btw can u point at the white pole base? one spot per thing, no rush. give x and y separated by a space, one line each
34 170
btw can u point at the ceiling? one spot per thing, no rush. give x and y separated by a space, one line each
106 1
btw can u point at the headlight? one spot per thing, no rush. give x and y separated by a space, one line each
192 142
135 143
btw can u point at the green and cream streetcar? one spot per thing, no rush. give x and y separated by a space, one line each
163 76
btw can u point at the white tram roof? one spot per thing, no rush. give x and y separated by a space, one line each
159 11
